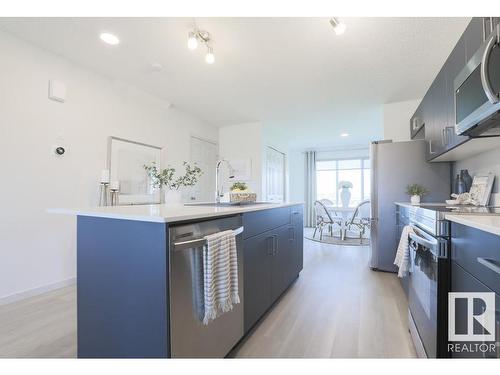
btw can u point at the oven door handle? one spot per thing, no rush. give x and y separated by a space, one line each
422 241
485 79
437 247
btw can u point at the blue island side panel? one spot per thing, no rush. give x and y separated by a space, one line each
122 275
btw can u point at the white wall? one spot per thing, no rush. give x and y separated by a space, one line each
396 119
38 249
243 141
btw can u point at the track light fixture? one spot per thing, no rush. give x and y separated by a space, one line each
198 36
338 26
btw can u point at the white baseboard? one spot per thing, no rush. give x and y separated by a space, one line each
36 291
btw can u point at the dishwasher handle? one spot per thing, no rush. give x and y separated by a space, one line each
198 242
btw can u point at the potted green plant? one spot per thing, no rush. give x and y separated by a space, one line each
169 184
239 186
345 194
415 191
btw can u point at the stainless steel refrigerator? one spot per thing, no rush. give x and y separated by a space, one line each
395 165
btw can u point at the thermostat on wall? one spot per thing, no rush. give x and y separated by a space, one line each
57 91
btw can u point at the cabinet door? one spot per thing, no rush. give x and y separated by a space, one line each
474 35
439 112
298 239
416 123
430 113
282 261
257 277
453 66
462 281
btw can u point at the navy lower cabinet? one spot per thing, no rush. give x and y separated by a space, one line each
463 281
272 260
297 239
257 275
474 268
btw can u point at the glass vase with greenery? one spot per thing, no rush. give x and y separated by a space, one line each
167 178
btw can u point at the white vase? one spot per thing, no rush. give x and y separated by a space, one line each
173 197
415 199
345 197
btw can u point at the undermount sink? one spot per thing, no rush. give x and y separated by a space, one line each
224 204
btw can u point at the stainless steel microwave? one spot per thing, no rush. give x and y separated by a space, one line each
477 91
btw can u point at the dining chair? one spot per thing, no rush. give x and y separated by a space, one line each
361 219
324 218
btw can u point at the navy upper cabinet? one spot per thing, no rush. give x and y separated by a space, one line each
434 119
455 63
474 35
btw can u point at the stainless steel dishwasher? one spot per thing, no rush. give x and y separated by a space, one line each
189 337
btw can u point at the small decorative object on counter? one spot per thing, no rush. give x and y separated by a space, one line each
459 185
114 188
345 194
103 194
103 188
415 192
464 173
241 194
169 185
480 190
105 176
464 198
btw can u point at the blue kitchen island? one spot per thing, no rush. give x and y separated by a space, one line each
138 276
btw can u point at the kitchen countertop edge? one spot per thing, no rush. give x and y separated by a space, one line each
490 224
158 213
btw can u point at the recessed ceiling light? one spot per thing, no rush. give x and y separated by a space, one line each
344 134
156 67
109 38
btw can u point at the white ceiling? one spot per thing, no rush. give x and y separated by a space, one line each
284 71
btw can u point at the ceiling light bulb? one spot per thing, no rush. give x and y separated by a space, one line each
344 135
338 26
192 41
209 57
109 38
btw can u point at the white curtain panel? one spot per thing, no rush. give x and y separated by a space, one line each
310 190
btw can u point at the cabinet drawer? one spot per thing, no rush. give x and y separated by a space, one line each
261 221
477 252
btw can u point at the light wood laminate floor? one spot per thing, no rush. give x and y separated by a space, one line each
338 307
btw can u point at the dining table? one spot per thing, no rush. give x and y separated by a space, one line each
346 213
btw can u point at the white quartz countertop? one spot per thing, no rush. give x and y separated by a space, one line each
487 223
161 213
423 204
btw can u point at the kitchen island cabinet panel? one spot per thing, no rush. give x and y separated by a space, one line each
257 274
272 261
122 273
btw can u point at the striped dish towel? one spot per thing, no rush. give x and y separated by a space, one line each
220 274
402 259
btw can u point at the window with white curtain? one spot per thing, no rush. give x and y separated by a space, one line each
330 172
